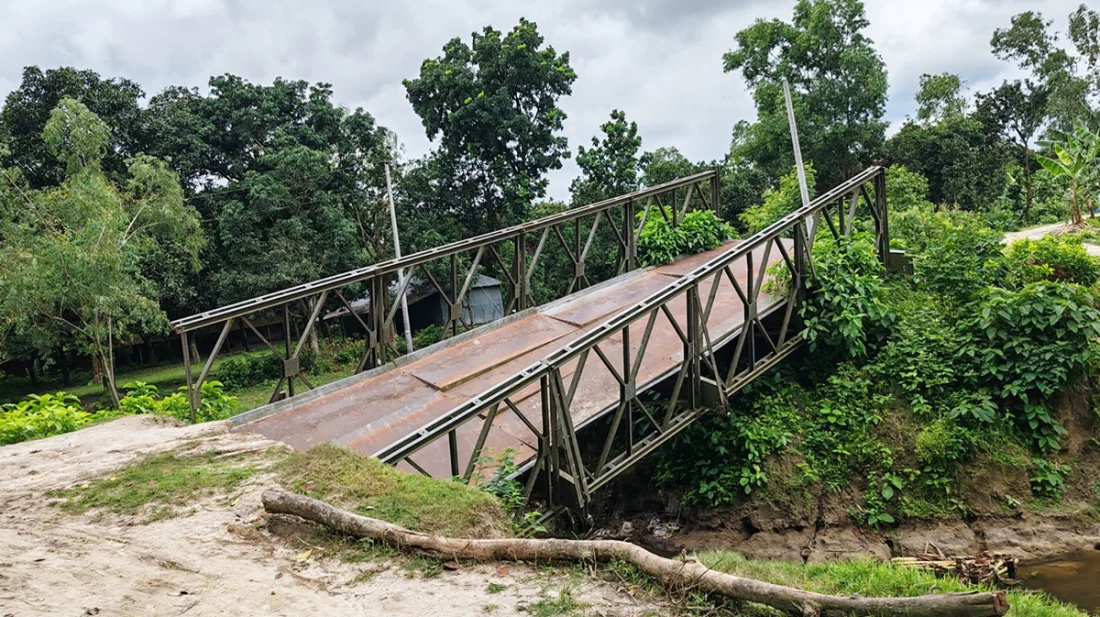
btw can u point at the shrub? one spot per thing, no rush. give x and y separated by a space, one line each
41 416
1048 479
960 255
661 243
1027 344
1052 258
248 370
846 308
216 404
778 202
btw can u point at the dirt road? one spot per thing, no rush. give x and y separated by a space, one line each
217 561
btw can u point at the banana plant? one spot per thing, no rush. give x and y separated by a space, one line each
1075 163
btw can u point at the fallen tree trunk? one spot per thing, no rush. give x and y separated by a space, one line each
686 574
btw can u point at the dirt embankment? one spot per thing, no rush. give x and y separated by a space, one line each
814 524
222 559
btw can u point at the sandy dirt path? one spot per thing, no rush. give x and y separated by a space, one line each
216 561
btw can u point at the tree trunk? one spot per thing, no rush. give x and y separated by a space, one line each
1027 174
33 374
97 370
194 347
65 366
685 574
109 380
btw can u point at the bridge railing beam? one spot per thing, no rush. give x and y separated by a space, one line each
778 260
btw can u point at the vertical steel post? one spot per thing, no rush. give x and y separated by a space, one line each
286 338
693 345
187 372
716 192
883 216
548 442
520 264
631 248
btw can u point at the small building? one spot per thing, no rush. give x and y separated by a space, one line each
483 304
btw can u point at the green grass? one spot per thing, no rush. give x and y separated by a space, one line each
159 486
371 488
564 604
874 579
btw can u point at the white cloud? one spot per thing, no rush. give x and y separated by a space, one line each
659 60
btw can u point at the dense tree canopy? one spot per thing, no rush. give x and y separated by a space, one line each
838 87
493 105
71 252
28 107
611 166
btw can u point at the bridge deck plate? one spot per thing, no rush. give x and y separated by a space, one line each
371 413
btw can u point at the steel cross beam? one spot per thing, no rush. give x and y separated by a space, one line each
451 271
712 368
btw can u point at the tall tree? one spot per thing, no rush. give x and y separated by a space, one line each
963 161
1018 110
838 84
28 107
940 97
611 166
291 186
493 105
71 252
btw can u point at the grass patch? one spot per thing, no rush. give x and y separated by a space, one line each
167 481
564 604
873 579
342 477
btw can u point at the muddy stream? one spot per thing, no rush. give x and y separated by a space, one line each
1071 578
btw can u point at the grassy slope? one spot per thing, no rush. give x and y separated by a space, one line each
873 579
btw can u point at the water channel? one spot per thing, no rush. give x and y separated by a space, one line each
1073 578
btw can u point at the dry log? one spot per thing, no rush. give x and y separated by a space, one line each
682 574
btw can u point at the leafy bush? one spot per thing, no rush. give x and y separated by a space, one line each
141 398
1052 258
846 308
1027 344
778 202
41 416
661 243
248 370
960 255
1048 479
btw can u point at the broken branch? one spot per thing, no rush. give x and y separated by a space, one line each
669 572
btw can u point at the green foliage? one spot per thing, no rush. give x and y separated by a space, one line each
72 253
1052 258
823 46
874 579
905 190
493 106
141 398
251 369
846 309
958 255
1048 479
41 416
1074 166
1027 344
610 167
778 202
700 230
940 97
509 491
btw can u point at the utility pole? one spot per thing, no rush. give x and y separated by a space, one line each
805 190
401 272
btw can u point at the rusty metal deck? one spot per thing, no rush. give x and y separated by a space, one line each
369 411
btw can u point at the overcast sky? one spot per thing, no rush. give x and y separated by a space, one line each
658 60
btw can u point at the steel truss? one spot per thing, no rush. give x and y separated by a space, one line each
650 412
512 254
